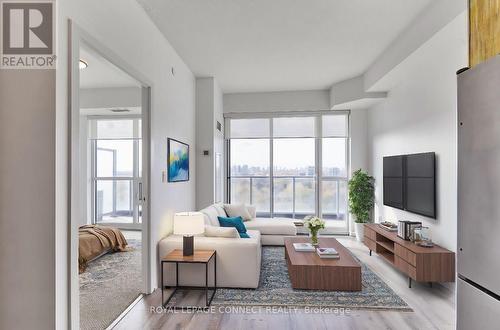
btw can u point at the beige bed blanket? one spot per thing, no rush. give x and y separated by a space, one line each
95 240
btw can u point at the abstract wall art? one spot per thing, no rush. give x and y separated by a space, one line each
178 161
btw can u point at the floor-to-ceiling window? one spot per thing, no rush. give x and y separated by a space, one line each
116 170
291 165
250 169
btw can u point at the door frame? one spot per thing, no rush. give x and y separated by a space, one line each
76 37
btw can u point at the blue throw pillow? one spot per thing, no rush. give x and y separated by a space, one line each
244 235
236 222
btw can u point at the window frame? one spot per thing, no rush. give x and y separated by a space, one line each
134 180
318 177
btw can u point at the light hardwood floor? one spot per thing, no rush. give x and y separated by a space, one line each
434 308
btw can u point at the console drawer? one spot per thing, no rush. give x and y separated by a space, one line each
405 267
371 234
405 254
370 244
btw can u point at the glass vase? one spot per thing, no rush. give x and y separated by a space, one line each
314 238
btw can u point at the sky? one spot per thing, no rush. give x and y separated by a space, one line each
288 153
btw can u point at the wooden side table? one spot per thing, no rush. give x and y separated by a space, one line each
198 257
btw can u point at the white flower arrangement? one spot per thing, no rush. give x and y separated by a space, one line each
314 223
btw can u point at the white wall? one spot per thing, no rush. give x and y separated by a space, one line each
204 141
277 101
85 168
111 97
434 17
27 199
359 145
219 135
359 139
131 34
208 112
419 115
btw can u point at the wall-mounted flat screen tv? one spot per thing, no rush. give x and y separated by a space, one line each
410 183
393 181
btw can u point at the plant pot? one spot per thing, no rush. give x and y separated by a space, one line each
359 229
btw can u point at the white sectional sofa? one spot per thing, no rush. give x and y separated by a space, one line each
272 230
238 259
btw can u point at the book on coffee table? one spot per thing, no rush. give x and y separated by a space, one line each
330 253
303 247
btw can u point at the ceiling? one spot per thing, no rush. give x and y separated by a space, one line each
275 45
101 73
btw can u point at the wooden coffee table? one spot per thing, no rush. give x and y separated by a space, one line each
308 271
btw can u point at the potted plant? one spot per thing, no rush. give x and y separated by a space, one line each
314 224
361 200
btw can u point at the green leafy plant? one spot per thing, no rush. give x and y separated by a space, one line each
361 195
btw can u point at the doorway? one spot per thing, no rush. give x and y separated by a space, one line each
109 184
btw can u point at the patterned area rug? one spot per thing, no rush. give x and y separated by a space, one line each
275 290
109 285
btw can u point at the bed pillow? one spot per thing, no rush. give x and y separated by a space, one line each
237 210
236 222
226 232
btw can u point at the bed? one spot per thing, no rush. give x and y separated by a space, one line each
95 241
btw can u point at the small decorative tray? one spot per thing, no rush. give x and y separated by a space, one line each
389 226
425 244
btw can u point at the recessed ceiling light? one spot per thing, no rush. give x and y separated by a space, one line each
83 64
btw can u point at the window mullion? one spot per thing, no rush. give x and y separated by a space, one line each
318 163
271 167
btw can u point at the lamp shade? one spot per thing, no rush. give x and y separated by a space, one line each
189 223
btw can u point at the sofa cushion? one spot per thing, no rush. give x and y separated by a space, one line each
226 232
273 226
237 210
220 210
252 209
211 215
236 222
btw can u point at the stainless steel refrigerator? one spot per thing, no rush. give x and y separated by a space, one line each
478 288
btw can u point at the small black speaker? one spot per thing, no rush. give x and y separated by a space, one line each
188 245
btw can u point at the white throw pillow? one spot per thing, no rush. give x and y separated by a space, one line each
226 232
252 209
237 210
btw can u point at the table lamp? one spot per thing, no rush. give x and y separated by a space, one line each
188 224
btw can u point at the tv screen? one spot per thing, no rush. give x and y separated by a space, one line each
409 183
393 181
420 184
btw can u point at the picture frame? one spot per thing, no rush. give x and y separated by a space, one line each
177 161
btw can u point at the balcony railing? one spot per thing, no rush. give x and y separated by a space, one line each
245 189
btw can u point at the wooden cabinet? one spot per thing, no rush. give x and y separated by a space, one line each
421 264
405 254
